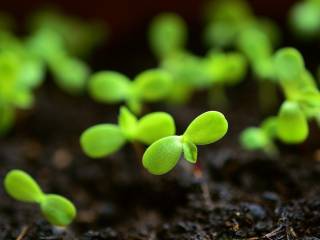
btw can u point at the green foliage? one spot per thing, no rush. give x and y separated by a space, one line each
292 124
167 34
163 155
305 19
20 74
113 87
289 64
104 139
56 209
58 41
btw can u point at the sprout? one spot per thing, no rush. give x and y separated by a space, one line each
261 138
305 19
167 34
113 87
104 139
58 210
163 155
292 125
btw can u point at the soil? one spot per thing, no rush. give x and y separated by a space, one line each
253 196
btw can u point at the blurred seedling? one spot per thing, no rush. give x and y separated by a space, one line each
59 41
20 74
58 210
301 105
113 87
304 19
190 72
104 139
167 35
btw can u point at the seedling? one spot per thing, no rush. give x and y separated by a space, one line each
104 139
20 74
59 41
164 154
305 19
58 210
113 87
302 104
167 35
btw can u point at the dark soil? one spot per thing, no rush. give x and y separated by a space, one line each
253 196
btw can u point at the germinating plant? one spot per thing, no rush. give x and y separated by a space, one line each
304 19
113 87
168 37
20 74
164 154
59 42
58 210
302 104
104 139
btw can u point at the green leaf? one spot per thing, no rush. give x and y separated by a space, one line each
168 34
207 128
22 186
154 126
127 122
269 126
71 74
109 86
305 19
255 44
163 155
289 64
190 151
292 125
254 138
58 210
153 85
102 140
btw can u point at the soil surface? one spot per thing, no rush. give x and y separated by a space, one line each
250 195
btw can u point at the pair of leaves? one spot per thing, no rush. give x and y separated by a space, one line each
57 210
113 87
163 155
104 139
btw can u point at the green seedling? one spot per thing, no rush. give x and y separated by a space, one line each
261 138
113 87
164 154
225 20
225 70
304 19
58 210
104 139
167 34
79 37
59 41
302 104
292 124
296 81
20 74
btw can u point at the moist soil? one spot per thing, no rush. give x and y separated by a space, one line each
252 196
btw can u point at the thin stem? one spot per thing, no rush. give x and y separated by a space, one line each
198 174
138 148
